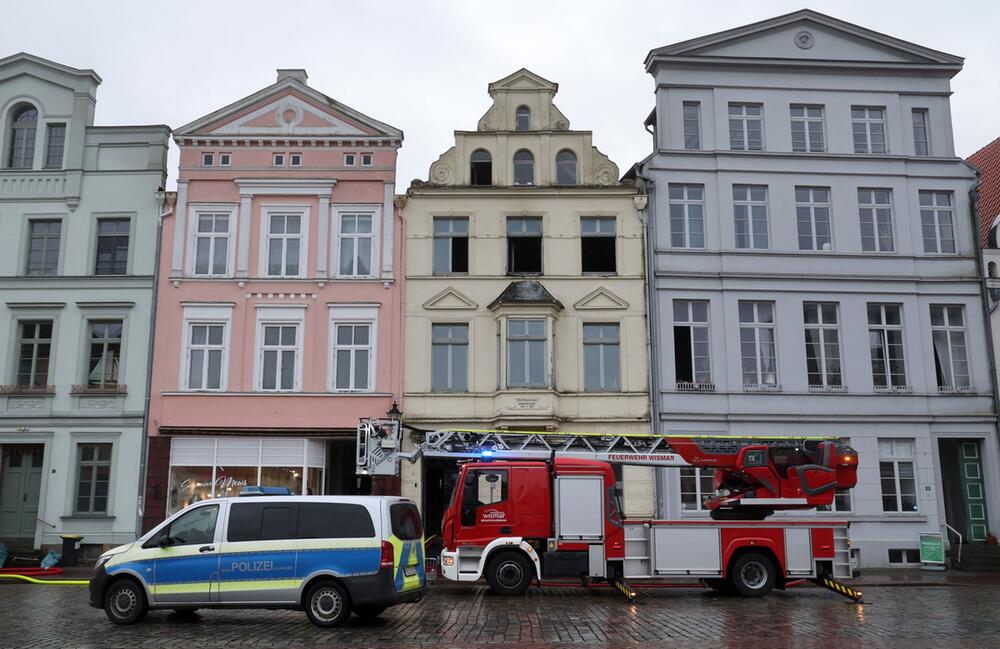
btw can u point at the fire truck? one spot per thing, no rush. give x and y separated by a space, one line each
531 505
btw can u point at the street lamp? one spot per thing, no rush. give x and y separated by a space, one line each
394 412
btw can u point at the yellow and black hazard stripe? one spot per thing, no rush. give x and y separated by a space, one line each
839 588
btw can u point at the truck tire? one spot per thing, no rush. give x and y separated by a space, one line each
125 602
327 604
752 575
509 573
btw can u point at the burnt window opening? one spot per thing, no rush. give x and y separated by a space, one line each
597 245
481 168
524 246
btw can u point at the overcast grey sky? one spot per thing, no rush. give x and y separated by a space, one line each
424 66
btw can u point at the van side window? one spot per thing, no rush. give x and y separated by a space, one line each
334 521
405 518
261 521
196 526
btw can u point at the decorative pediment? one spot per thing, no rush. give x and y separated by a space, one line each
523 88
523 79
527 292
600 299
450 300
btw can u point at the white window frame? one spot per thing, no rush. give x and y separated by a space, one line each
352 314
884 330
205 314
956 337
699 493
694 122
274 315
451 343
936 212
744 120
826 330
295 159
339 210
371 159
350 159
811 205
194 210
278 160
601 343
925 125
686 202
691 324
806 120
266 211
225 158
868 120
207 159
546 353
895 458
756 326
871 205
749 205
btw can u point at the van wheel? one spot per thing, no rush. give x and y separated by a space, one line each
509 573
369 612
125 602
752 575
327 604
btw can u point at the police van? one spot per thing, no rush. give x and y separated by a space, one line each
327 555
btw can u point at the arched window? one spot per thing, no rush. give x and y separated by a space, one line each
522 121
565 167
481 168
23 124
524 168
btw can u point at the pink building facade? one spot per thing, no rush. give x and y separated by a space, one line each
279 303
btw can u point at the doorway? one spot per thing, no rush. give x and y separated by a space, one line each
20 485
341 470
440 477
964 487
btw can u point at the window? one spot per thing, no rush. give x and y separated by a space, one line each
449 357
211 244
55 146
875 210
822 330
352 356
565 167
279 356
34 352
366 159
885 339
334 521
936 222
807 129
898 478
757 345
746 127
812 211
597 244
841 502
21 151
93 475
696 486
206 354
43 246
692 124
482 488
105 352
692 361
481 168
522 118
451 245
951 359
687 215
284 245
526 354
191 528
921 139
524 168
349 159
601 358
404 519
356 243
868 127
224 159
750 216
904 556
524 245
112 246
295 159
261 521
207 159
279 159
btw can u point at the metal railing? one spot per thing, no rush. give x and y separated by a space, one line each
960 540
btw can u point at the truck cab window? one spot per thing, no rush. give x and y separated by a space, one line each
482 488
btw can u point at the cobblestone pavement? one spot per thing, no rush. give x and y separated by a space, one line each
451 616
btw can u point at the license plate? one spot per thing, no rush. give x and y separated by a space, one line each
409 571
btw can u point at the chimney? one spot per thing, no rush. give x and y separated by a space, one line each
293 73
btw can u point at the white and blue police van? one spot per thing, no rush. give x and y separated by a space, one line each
327 555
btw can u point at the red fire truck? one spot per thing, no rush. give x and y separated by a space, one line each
530 505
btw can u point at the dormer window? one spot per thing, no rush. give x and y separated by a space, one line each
24 124
524 168
565 167
481 168
522 120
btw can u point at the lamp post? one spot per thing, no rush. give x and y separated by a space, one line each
394 412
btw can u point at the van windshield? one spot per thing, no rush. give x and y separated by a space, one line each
405 519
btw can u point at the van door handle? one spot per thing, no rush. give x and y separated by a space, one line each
206 548
505 530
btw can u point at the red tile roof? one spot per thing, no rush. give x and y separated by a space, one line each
987 161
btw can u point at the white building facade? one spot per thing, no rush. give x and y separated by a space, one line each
79 208
814 270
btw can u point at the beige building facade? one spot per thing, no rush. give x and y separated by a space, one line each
524 296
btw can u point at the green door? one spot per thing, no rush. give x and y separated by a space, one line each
973 491
22 480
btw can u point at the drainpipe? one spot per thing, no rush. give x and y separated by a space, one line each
144 452
985 295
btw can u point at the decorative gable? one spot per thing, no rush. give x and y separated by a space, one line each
523 88
450 300
289 115
600 299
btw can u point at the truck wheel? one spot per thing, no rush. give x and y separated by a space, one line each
125 602
509 573
752 575
327 604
